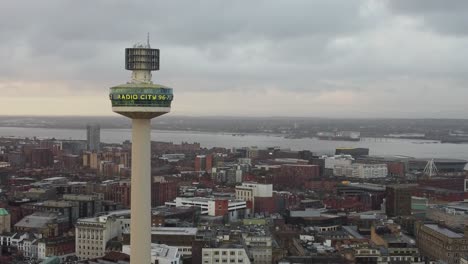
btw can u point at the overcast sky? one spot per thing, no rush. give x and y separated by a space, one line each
343 58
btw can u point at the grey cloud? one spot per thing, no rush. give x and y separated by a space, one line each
80 33
444 17
301 46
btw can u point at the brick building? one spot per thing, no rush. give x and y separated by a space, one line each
296 175
162 192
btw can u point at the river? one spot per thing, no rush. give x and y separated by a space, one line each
379 146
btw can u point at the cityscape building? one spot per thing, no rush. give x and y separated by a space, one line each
5 221
93 137
398 200
225 254
213 206
92 234
259 196
441 243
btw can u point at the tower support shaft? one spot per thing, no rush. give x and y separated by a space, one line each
140 225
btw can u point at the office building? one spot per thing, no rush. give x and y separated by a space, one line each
398 200
93 137
179 237
225 254
441 243
203 163
296 175
369 171
213 206
92 234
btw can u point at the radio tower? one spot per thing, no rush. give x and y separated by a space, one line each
141 100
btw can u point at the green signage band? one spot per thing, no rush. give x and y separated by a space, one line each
142 95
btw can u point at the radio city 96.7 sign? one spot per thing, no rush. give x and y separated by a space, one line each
154 97
151 97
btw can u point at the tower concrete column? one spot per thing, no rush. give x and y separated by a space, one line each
140 225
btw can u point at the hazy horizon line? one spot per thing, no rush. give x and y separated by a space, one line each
234 116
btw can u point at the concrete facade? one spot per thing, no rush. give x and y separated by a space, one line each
225 255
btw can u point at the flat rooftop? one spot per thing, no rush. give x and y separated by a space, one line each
445 231
366 186
176 231
103 218
443 160
207 199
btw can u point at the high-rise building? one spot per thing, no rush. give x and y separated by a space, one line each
141 100
42 158
204 163
398 200
162 192
93 137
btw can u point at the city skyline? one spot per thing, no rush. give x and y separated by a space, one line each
324 58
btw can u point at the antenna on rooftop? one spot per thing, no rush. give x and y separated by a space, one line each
148 41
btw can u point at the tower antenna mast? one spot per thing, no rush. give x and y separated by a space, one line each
148 40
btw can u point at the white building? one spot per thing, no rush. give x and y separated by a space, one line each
163 254
245 161
343 170
260 247
248 190
361 170
93 233
225 255
366 171
27 243
172 157
29 247
338 160
211 206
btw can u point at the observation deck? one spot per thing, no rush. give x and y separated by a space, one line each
141 98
